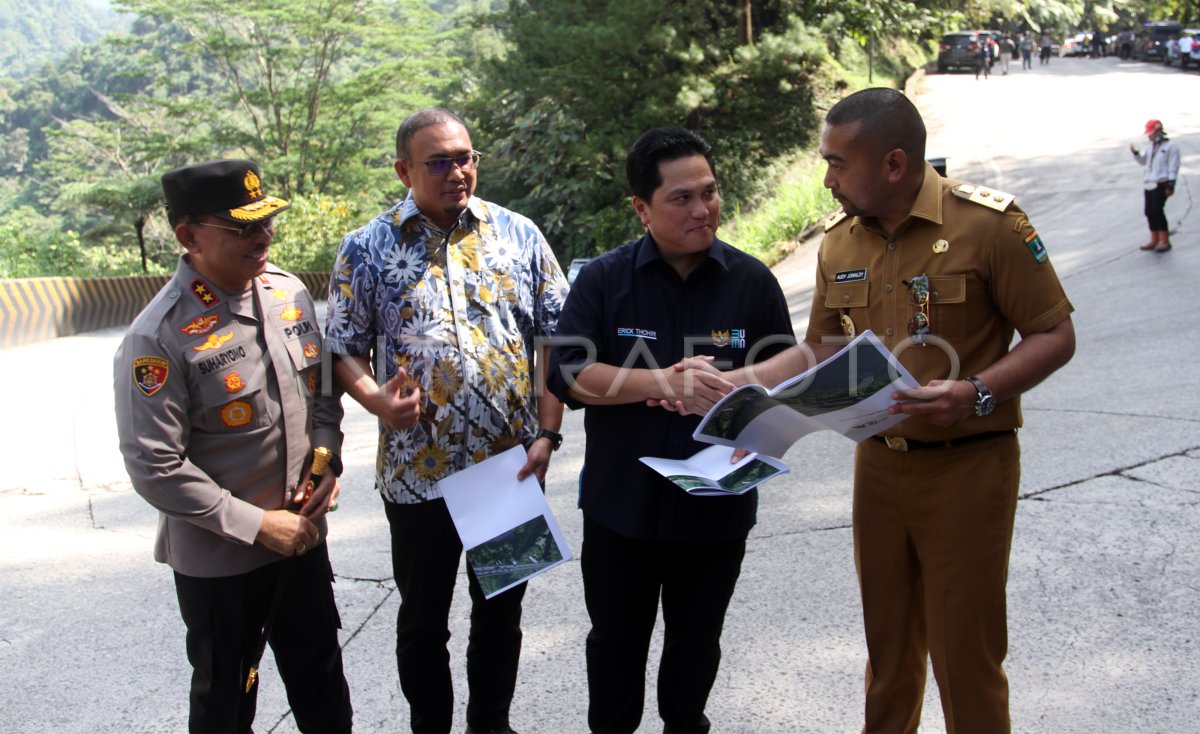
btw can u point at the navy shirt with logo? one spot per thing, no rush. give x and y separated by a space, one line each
634 310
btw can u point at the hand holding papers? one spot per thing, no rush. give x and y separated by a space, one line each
849 393
505 525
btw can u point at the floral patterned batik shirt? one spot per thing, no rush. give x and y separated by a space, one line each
460 313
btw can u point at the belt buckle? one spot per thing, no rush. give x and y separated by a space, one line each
896 443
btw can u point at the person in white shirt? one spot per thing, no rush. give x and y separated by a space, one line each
1160 161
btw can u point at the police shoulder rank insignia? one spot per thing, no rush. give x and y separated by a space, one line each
233 383
204 294
990 198
237 414
1034 243
200 325
291 313
280 294
150 374
214 341
834 219
312 382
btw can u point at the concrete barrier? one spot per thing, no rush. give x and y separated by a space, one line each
36 309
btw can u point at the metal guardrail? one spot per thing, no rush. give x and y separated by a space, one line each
37 309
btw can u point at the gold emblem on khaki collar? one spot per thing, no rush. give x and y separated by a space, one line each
848 326
940 246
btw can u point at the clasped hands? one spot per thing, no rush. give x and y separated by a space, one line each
291 532
693 385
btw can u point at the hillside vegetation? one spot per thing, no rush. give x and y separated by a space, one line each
554 92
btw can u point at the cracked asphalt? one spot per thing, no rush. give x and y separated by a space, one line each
1104 570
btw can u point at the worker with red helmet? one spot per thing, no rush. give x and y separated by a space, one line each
1160 161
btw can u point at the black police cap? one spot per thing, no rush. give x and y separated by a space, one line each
229 189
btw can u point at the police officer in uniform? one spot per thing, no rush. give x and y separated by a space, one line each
944 273
220 407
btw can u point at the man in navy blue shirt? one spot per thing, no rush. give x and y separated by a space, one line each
631 315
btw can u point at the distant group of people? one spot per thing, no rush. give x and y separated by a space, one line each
228 411
992 51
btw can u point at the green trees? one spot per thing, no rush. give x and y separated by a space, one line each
580 80
311 90
554 90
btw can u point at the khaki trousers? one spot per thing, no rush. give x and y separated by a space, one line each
932 533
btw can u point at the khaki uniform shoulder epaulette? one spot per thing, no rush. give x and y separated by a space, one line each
834 219
990 198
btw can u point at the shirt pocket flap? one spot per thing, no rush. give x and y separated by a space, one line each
945 289
231 384
847 295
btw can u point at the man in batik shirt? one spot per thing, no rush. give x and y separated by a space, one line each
446 294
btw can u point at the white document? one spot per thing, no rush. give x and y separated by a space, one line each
709 473
849 393
505 525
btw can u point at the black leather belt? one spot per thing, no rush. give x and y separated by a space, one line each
896 443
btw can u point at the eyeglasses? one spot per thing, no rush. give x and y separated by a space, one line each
246 230
918 295
441 166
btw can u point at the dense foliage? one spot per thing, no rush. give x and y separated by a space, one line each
554 92
34 32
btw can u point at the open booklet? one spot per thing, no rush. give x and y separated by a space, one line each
709 472
849 393
505 525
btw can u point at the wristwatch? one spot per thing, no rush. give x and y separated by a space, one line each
553 437
984 402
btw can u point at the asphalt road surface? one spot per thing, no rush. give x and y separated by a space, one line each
1103 578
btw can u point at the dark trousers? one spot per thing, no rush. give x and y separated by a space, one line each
225 617
623 579
1155 210
425 556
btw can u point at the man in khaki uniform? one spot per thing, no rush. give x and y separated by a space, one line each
943 272
219 407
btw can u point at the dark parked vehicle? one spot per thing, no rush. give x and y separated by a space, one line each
1151 41
958 50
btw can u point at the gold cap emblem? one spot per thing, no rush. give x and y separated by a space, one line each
253 185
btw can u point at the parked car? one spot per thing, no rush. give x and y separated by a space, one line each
1152 40
958 50
1188 39
1076 45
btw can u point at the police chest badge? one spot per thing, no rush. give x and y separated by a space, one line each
201 325
291 313
214 341
237 414
150 374
234 383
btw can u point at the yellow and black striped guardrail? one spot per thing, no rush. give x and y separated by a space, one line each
36 309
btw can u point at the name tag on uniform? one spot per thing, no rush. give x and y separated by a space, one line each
850 276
